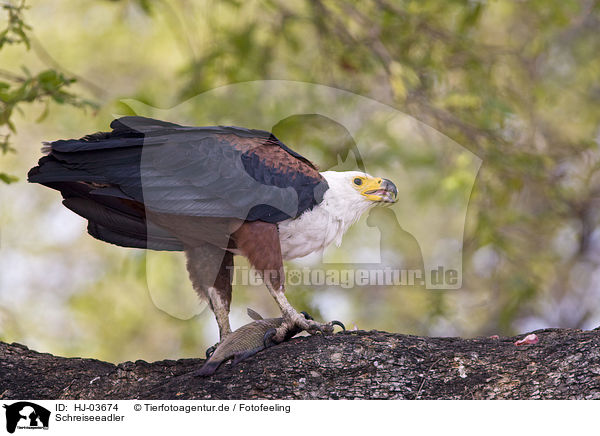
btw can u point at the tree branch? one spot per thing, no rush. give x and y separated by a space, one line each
371 365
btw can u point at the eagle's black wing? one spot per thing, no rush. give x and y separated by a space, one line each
113 178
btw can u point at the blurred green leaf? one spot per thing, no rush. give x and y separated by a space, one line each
7 178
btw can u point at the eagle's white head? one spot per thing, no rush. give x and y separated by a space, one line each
356 190
350 194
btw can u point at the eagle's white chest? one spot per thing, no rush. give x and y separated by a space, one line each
312 231
326 223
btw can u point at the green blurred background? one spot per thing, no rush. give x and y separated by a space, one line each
514 84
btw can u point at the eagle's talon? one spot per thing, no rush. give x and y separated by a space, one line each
338 323
307 316
211 350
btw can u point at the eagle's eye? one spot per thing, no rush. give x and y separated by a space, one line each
358 181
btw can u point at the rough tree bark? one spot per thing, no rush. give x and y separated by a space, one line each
378 365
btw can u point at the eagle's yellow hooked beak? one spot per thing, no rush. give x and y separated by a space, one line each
376 189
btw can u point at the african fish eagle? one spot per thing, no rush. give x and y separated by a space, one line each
213 192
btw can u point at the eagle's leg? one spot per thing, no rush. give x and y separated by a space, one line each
210 272
259 242
220 308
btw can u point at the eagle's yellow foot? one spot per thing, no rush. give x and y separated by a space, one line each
296 322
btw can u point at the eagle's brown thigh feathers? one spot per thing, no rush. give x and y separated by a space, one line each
259 242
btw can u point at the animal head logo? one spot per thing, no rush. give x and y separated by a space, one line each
25 414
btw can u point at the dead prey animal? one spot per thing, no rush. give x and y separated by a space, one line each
247 341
